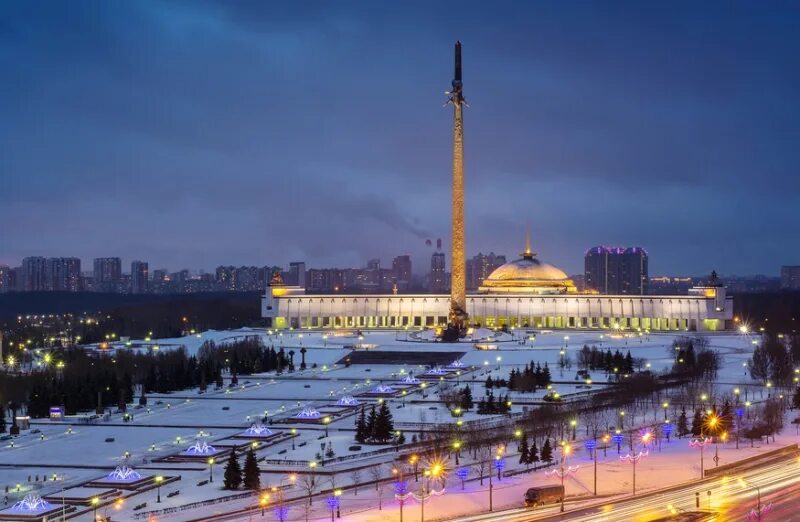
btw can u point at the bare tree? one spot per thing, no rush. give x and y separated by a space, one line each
376 474
309 482
355 476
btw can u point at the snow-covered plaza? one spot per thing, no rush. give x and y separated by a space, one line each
301 425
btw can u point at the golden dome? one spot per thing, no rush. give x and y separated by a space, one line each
528 275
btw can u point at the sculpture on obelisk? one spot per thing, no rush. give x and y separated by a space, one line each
458 279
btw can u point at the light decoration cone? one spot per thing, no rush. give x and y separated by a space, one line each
124 473
308 413
258 430
32 503
347 400
201 447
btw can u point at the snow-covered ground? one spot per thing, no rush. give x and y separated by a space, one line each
172 422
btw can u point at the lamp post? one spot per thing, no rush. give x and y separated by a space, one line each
701 444
633 459
95 501
566 449
294 434
159 480
262 503
665 405
211 469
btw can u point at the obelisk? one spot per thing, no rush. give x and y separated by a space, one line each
458 279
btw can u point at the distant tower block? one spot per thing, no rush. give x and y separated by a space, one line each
458 277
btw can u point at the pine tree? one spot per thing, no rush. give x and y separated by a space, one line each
143 398
252 475
683 423
233 473
401 439
361 427
533 454
466 398
547 452
697 423
523 452
384 425
370 429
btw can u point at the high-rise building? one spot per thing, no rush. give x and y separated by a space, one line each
34 274
790 277
5 279
107 274
615 270
437 278
139 277
480 266
63 274
296 276
401 271
635 277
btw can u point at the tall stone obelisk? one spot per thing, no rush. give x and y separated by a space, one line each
458 279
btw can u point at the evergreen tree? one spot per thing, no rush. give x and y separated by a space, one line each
466 399
547 452
361 427
683 423
533 454
252 475
384 425
233 473
697 423
401 439
369 432
523 452
143 398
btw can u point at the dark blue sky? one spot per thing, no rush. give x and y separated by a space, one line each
191 134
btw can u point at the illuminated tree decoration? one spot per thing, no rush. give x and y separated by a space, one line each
383 388
347 400
201 448
259 430
32 503
410 379
124 474
309 413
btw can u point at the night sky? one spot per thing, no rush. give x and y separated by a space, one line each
193 134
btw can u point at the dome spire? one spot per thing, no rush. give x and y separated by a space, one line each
528 253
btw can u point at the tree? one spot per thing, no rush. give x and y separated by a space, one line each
533 454
369 432
2 420
523 452
143 398
697 424
547 452
384 426
252 475
683 423
466 398
233 473
361 427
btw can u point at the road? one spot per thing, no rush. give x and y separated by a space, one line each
731 496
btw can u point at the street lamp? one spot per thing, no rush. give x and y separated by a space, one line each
211 469
665 405
95 501
263 501
159 480
633 459
701 444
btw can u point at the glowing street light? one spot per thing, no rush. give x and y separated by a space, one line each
159 480
211 469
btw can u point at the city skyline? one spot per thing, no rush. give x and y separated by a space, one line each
606 120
